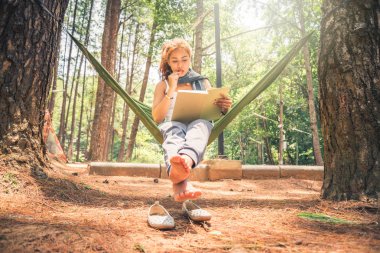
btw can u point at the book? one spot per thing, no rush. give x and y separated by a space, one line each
198 104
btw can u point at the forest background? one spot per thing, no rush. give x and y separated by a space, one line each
48 206
254 36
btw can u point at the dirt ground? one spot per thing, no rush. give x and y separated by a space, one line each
72 211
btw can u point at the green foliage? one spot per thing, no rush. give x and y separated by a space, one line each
139 247
10 182
85 186
320 217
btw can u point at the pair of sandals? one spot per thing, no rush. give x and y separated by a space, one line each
159 217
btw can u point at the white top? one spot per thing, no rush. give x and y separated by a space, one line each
169 114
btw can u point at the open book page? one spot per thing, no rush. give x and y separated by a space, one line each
198 104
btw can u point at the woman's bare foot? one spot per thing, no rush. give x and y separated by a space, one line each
180 168
184 191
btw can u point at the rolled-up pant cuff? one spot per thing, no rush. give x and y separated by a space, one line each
190 153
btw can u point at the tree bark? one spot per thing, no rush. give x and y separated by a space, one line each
349 79
27 59
310 90
104 94
197 66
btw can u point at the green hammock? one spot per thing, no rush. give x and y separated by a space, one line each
144 112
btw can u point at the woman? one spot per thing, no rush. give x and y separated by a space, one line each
184 143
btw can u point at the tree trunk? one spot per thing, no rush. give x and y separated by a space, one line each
281 128
310 91
62 126
242 148
128 88
260 155
104 94
112 129
64 56
197 66
72 97
349 74
124 120
89 120
73 115
135 125
267 143
81 112
27 59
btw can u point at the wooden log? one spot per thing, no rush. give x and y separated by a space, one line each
261 171
224 169
302 172
125 169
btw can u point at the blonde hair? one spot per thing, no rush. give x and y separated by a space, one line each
167 48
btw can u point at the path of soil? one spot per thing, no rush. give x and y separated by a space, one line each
80 213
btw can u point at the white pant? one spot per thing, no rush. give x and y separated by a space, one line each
188 139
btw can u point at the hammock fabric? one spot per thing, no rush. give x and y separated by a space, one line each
144 112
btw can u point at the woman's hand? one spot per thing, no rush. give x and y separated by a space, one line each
173 81
224 103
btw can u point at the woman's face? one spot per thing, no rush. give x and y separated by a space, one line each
179 61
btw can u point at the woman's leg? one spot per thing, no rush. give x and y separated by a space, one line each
185 190
190 155
192 151
174 137
196 140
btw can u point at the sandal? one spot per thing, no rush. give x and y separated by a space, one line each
194 212
159 217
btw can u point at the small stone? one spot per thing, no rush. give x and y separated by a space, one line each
215 232
155 180
298 242
281 245
75 173
105 181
